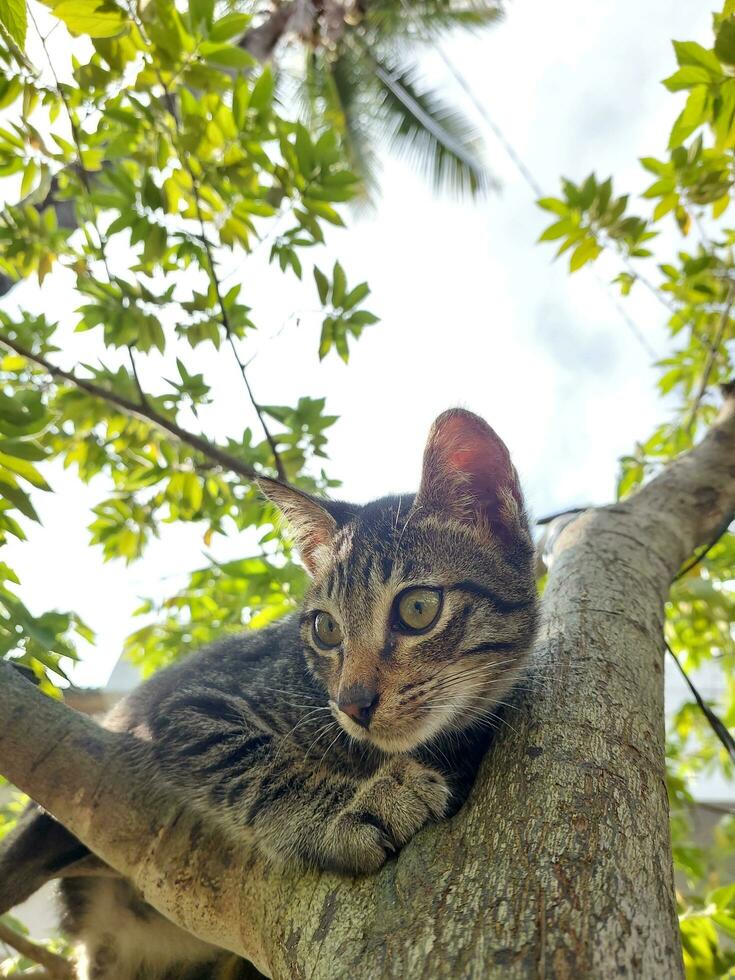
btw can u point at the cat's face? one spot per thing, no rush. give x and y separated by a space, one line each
421 610
414 626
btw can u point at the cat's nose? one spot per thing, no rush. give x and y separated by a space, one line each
359 703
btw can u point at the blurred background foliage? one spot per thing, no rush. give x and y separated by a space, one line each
677 243
194 132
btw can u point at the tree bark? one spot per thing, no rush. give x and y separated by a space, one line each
559 865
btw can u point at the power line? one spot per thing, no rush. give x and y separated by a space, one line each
535 187
526 173
520 166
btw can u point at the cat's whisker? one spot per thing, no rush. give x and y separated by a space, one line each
398 514
301 721
341 731
460 675
296 704
324 730
412 513
484 668
504 721
475 682
292 692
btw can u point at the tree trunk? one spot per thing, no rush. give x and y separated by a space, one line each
558 866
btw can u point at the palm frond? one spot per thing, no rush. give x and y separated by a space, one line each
432 134
349 87
332 91
428 19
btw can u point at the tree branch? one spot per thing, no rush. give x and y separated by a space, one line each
561 855
688 503
218 456
214 279
228 331
259 41
712 353
57 968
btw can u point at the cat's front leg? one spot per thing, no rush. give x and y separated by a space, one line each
384 814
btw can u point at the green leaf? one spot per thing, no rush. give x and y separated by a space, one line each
29 175
723 898
691 53
322 285
304 150
97 18
667 203
558 229
14 19
229 26
426 127
240 101
201 13
355 296
725 114
692 117
323 210
687 77
339 285
24 469
656 166
554 205
363 318
340 341
22 450
327 337
725 42
261 98
226 55
725 922
10 490
585 252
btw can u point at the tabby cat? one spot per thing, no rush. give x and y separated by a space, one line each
333 734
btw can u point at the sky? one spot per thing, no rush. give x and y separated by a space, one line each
474 313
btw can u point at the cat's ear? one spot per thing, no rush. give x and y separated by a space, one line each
312 526
468 475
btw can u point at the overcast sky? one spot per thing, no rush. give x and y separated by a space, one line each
473 312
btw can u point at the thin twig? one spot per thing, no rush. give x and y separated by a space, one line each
171 109
714 347
693 562
228 331
77 144
218 456
534 185
515 158
143 397
717 726
561 513
56 966
102 241
727 811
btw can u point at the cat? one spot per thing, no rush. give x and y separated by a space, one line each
339 732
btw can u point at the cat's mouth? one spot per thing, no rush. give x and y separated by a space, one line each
402 734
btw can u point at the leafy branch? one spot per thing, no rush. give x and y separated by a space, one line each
212 269
55 967
713 353
210 450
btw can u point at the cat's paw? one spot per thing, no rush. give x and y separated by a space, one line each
385 814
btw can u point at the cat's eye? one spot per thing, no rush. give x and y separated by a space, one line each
418 609
327 633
